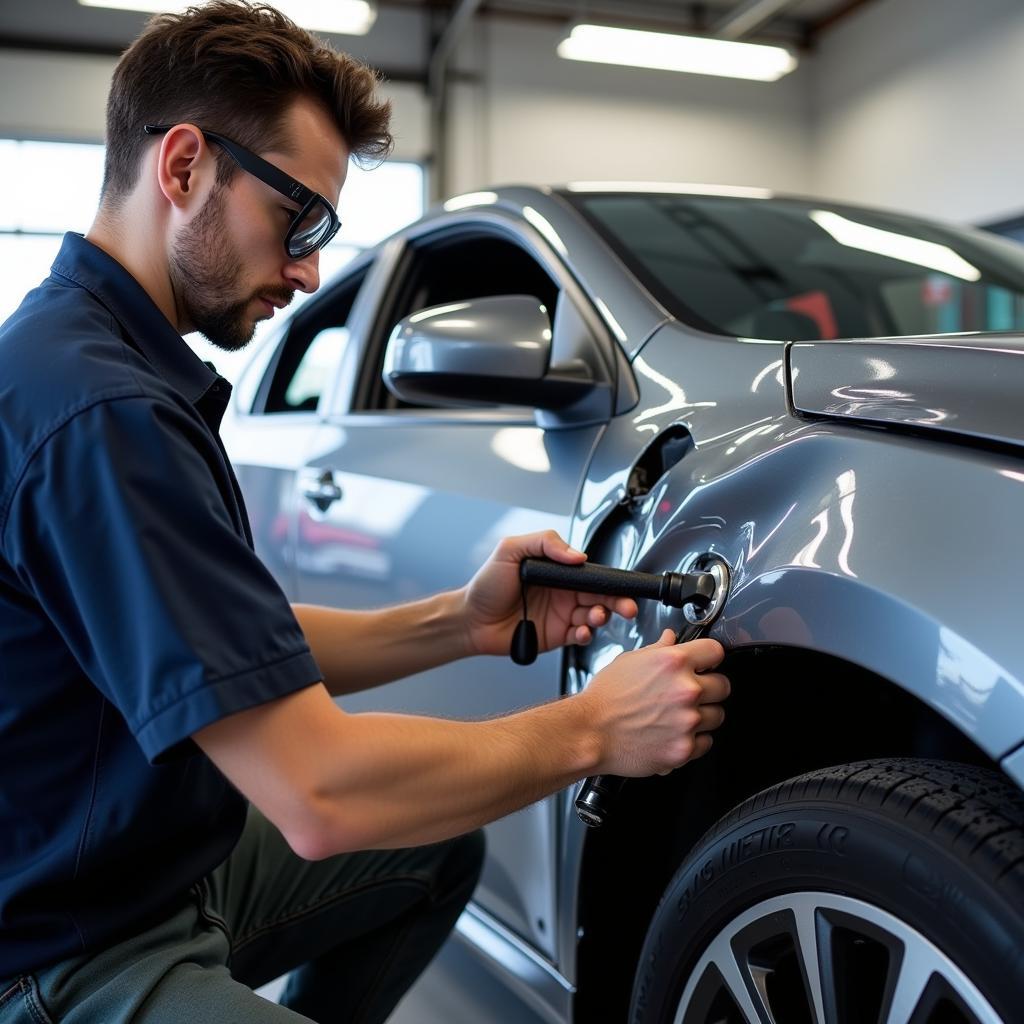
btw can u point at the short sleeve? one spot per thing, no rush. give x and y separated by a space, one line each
121 526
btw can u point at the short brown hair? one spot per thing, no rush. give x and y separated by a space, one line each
234 67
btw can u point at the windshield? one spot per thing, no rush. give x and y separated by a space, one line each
800 270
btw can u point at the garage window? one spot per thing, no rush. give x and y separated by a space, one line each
65 183
66 180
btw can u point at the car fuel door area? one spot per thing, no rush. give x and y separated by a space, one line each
654 509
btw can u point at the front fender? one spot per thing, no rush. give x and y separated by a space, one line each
889 552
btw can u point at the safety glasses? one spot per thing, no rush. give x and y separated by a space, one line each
312 227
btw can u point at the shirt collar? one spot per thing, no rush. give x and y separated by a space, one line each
88 266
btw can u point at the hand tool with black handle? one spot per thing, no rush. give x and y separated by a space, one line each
675 589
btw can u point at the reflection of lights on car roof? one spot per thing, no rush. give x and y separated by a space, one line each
543 225
469 199
610 320
895 246
671 188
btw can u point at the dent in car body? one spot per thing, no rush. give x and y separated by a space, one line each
814 519
811 513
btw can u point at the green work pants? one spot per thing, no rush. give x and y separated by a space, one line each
354 930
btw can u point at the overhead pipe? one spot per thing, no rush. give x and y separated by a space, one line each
747 17
437 90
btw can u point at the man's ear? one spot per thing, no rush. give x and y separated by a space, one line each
186 168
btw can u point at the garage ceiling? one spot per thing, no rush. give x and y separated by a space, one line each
798 20
65 25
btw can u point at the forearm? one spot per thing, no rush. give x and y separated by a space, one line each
402 780
359 649
334 782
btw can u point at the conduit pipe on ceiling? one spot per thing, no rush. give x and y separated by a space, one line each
746 17
437 90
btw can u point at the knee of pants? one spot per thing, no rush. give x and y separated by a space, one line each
465 860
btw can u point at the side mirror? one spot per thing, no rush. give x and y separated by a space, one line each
482 351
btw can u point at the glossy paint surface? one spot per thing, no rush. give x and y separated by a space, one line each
838 538
421 509
966 386
845 532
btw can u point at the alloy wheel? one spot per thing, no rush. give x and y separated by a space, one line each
822 958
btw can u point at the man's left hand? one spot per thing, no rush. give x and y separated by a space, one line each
493 599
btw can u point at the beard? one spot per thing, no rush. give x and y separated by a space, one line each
205 270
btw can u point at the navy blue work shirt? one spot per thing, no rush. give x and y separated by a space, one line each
133 611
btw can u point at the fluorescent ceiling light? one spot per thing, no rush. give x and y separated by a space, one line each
698 55
345 17
896 246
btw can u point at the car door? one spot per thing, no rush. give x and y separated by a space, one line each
273 418
423 495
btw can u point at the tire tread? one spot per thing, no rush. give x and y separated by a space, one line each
973 816
971 810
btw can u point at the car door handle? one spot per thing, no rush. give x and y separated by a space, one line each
323 491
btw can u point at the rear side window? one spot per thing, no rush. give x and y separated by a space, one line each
800 270
310 353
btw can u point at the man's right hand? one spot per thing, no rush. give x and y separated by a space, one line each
656 706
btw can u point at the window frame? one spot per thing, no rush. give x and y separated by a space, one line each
418 241
301 331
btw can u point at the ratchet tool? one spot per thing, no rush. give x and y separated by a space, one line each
700 594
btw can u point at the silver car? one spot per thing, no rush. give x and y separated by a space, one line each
825 401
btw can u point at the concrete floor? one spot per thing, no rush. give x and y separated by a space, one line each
436 999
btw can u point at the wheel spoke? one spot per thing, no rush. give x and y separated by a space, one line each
807 947
915 969
735 975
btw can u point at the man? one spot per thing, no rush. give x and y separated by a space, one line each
182 804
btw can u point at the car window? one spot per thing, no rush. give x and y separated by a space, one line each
310 352
254 372
311 375
803 270
451 268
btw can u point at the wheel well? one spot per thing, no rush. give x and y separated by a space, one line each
791 711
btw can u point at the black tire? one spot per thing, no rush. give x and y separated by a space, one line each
904 868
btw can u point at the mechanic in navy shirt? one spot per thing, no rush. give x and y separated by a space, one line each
182 804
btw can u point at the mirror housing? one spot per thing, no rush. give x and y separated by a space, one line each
498 350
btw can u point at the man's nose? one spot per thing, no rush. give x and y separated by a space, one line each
304 274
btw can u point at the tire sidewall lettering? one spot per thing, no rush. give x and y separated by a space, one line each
834 849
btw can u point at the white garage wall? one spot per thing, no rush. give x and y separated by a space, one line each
53 96
531 116
63 97
917 106
537 117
